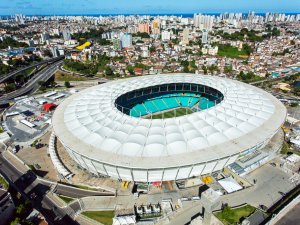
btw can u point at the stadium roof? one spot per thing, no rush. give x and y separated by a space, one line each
89 123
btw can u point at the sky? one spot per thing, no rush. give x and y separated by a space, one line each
65 7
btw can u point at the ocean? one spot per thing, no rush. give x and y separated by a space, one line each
184 15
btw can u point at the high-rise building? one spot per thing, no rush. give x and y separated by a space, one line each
30 43
132 29
204 37
144 28
185 36
126 40
19 18
145 51
66 35
165 35
55 51
155 24
203 21
55 31
44 37
117 43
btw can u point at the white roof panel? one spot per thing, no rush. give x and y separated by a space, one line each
90 123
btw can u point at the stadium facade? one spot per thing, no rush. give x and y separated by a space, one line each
110 129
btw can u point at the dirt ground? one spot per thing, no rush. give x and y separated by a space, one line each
82 177
33 156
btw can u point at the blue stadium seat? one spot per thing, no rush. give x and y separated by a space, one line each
171 102
151 107
193 101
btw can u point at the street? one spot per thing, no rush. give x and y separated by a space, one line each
35 189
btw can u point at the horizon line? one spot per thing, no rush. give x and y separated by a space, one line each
136 14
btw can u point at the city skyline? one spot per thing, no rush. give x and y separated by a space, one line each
83 7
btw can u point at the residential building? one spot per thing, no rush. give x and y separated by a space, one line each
185 36
126 41
7 206
66 35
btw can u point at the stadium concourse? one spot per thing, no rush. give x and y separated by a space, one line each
113 129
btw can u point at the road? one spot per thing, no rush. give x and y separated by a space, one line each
78 193
37 190
50 61
292 217
32 85
28 185
272 79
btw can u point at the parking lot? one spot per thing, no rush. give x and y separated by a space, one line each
271 183
30 117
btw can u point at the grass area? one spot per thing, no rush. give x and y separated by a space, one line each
66 199
172 113
231 216
105 217
29 71
59 76
3 182
232 52
285 150
80 186
38 92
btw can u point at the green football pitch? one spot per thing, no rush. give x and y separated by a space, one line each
171 113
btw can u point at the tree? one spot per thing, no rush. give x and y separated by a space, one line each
228 69
42 86
11 42
297 90
204 68
52 83
15 221
42 83
92 33
141 34
10 87
4 69
48 53
175 41
152 49
294 104
130 69
67 84
247 48
108 71
85 68
103 42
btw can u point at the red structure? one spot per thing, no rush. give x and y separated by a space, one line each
47 107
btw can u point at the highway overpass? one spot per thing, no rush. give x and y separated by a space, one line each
12 74
33 84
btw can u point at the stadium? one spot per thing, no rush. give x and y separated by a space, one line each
165 127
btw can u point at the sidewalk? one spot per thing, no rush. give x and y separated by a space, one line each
285 211
15 161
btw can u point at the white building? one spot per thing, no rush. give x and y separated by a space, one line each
66 35
204 37
100 135
45 37
126 41
165 35
203 21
